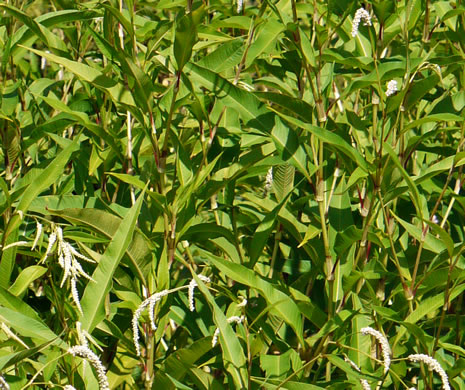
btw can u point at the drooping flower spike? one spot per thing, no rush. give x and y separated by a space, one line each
86 353
192 286
150 303
361 14
433 365
385 348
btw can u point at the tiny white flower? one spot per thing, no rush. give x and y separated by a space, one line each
86 353
269 178
243 303
363 382
59 233
79 255
69 387
233 319
3 384
433 365
240 4
75 294
191 288
67 259
386 350
38 234
82 335
51 241
13 244
268 182
391 88
359 15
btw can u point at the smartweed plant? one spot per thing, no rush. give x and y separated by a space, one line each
225 194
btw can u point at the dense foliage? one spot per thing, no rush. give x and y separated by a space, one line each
206 194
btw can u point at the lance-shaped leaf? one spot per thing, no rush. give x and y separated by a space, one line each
29 327
117 92
289 147
186 36
233 354
283 305
95 293
46 178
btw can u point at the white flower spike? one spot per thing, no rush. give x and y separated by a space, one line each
391 88
240 5
192 286
150 302
433 365
3 384
359 15
269 180
38 234
67 259
86 353
235 319
243 303
386 350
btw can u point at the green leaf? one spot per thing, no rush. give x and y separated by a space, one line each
186 36
289 147
276 366
27 36
83 119
263 231
108 224
118 93
428 306
177 364
290 103
95 293
384 9
284 307
128 28
15 358
233 355
285 385
414 194
45 179
225 57
265 40
29 327
35 27
143 85
283 180
12 302
183 163
432 243
252 111
443 117
25 278
420 89
331 139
